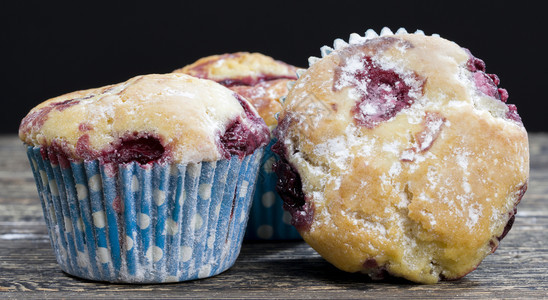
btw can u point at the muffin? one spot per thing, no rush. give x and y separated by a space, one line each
146 181
263 81
400 156
257 77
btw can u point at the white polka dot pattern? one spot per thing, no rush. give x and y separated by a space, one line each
99 219
134 184
53 188
204 271
81 191
103 254
265 231
243 188
44 177
157 253
197 222
144 221
286 218
186 253
205 190
267 217
171 227
182 198
160 223
267 166
159 197
129 243
268 199
68 224
94 183
80 224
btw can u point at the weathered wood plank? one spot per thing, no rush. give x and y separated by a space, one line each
518 269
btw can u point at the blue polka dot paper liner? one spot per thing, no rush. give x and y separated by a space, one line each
145 224
268 220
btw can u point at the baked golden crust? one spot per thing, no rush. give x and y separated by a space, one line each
424 192
265 97
259 78
185 114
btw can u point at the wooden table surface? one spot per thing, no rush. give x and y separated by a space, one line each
518 269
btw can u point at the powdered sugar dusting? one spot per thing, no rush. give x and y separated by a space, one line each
462 160
433 124
375 226
382 88
392 147
395 169
349 76
474 214
405 176
336 149
433 128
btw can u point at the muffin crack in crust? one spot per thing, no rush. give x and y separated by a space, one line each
409 154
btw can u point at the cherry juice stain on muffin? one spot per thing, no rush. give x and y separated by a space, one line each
242 138
372 268
143 150
85 126
289 185
252 80
519 195
382 92
60 106
57 153
37 119
136 147
488 84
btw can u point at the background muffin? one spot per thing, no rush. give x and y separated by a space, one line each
148 180
259 78
263 81
400 156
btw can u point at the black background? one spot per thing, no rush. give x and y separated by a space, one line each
50 48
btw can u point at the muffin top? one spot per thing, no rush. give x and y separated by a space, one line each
400 154
158 117
259 78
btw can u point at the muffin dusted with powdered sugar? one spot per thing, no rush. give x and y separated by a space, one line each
143 119
259 78
146 181
401 156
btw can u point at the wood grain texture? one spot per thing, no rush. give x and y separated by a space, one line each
518 269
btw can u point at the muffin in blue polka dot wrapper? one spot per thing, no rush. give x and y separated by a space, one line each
146 181
263 81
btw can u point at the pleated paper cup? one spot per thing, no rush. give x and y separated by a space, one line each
268 220
155 223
